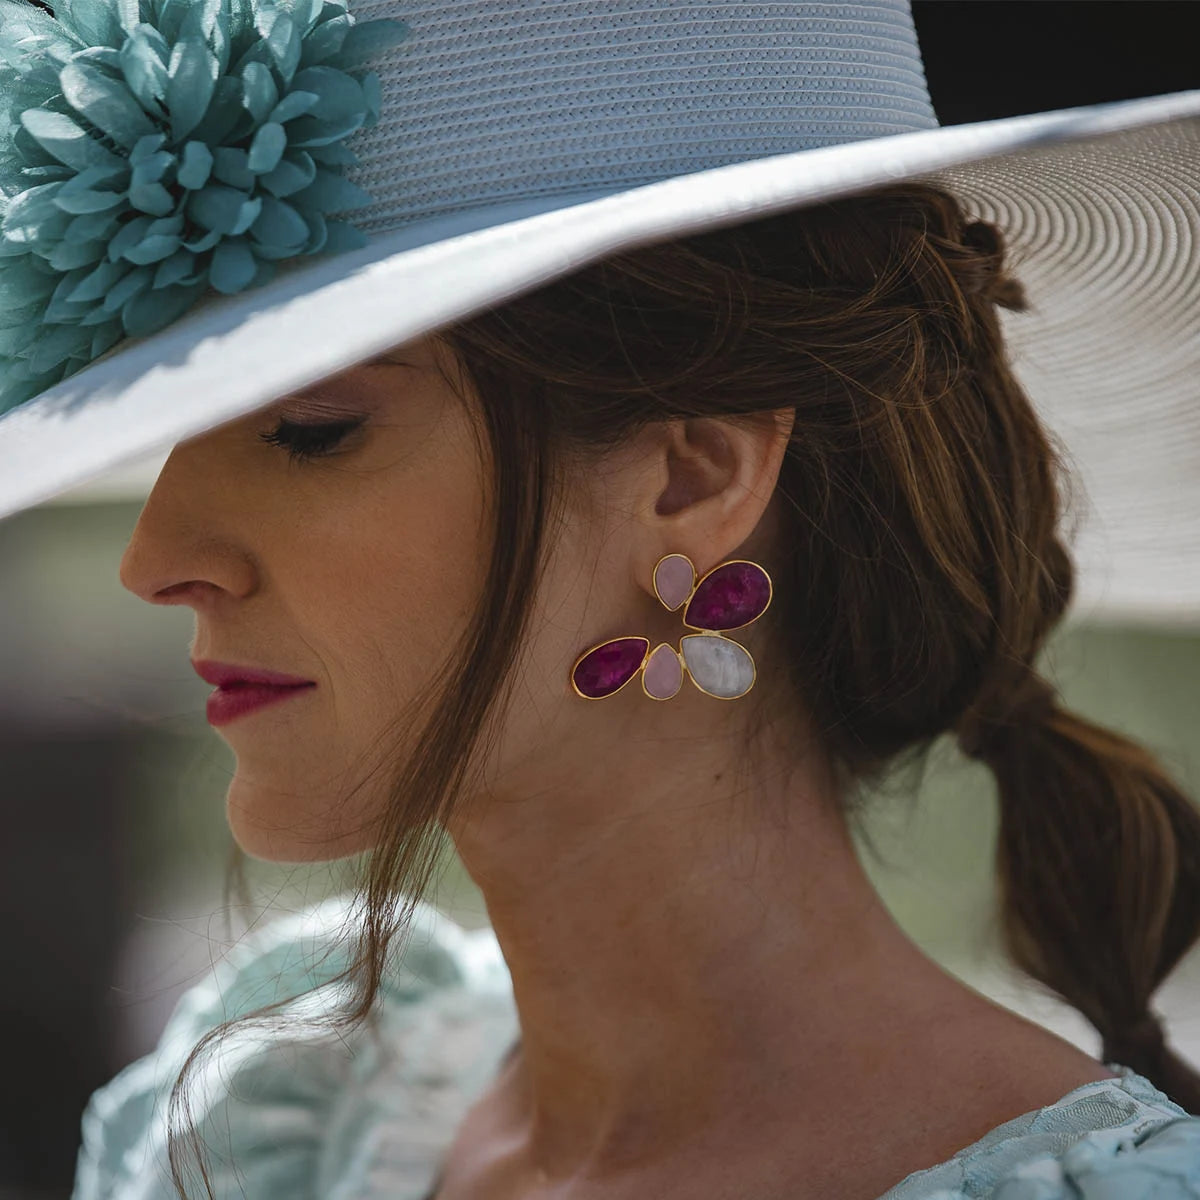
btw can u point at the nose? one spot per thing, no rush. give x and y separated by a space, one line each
188 545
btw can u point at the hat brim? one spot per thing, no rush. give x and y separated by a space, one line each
1087 197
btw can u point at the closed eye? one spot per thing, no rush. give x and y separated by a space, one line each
304 441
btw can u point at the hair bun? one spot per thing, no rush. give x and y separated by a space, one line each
980 273
984 237
981 270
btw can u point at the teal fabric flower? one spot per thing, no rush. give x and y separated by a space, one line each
152 149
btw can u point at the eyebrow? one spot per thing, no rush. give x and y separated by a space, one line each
314 406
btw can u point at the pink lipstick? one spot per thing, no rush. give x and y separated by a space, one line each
242 690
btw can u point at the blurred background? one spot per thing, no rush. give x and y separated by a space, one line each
112 868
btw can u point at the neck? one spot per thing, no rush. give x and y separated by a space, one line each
682 951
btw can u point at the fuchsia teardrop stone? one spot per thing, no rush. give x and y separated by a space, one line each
733 595
609 667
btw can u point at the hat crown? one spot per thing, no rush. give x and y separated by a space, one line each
492 103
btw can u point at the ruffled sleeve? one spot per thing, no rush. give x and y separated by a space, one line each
284 1114
1109 1164
1114 1139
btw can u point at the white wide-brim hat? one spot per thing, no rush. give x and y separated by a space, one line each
504 145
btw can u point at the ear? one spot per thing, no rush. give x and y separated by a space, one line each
708 483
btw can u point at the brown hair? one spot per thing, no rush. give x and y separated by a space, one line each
918 573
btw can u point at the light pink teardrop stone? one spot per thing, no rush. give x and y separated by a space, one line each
674 579
663 674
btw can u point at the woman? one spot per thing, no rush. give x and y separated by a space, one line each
409 574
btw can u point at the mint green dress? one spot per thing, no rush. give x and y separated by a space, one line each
305 1116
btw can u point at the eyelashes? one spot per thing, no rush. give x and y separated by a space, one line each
304 441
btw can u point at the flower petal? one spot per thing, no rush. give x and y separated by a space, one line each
128 236
105 338
144 64
94 24
309 132
293 105
372 91
303 12
280 227
233 267
138 280
151 198
326 40
223 210
69 142
61 309
335 154
151 311
368 39
68 256
339 96
91 226
145 148
96 285
55 346
261 94
104 103
226 119
18 338
191 80
196 166
295 171
267 148
232 166
87 200
207 242
170 18
179 268
343 236
22 283
283 43
29 209
129 13
153 249
332 193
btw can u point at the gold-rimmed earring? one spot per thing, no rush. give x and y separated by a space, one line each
729 596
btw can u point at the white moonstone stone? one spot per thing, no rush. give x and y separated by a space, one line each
718 665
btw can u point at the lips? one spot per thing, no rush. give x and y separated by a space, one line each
227 675
241 690
228 703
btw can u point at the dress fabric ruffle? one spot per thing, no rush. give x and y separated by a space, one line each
306 1115
303 1115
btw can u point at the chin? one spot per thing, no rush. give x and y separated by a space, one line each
268 830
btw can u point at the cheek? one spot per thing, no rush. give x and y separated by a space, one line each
378 589
385 583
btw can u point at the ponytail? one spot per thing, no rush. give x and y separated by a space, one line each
1098 859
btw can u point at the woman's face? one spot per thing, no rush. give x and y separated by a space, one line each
356 570
361 569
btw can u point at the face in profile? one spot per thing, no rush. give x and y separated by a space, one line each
350 560
342 537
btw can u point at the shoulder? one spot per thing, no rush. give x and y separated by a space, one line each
267 1101
1112 1138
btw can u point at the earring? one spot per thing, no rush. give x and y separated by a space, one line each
730 596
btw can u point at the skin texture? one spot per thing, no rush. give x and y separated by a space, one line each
713 1000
